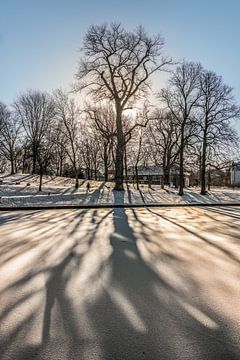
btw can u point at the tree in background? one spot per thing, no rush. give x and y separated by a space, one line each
137 152
102 119
9 136
35 110
67 115
164 137
217 108
181 98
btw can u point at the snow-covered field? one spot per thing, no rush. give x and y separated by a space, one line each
137 284
22 190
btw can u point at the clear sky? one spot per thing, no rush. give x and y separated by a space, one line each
40 40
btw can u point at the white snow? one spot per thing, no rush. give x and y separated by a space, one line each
14 191
74 281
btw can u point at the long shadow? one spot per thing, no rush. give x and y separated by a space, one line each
24 177
51 179
129 193
55 287
191 196
209 242
80 216
226 211
53 197
55 291
72 190
142 196
138 314
7 217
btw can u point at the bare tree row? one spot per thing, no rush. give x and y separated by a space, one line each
117 126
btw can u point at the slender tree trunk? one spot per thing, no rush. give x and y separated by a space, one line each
105 160
12 165
61 168
200 167
105 171
181 171
76 179
57 168
41 177
60 165
209 179
203 165
34 153
164 170
150 182
136 174
23 164
88 173
24 161
125 163
167 173
119 152
163 176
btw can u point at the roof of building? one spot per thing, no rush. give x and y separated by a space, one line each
150 170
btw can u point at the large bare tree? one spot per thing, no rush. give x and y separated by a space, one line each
35 109
117 65
103 121
9 136
68 123
181 99
217 108
164 137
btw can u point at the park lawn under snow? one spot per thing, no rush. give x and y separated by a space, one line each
97 284
22 190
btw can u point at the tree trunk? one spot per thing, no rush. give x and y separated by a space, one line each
76 179
125 163
162 178
12 166
24 161
209 179
203 165
167 174
136 174
105 171
119 153
105 160
34 151
181 171
164 170
150 182
41 177
88 173
61 167
200 167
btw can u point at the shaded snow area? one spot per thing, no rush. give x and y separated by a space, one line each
135 284
22 190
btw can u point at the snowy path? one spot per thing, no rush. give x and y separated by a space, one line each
120 284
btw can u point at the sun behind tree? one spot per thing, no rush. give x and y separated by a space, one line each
117 65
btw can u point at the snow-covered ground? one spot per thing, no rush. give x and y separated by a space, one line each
137 284
22 190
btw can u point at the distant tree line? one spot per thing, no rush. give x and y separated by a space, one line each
188 123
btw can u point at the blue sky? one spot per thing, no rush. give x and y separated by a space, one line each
40 40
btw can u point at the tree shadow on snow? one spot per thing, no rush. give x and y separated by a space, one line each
136 313
139 315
